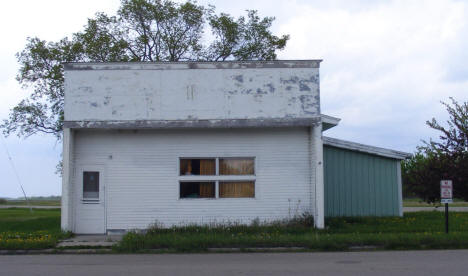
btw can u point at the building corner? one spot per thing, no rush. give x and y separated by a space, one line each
317 167
67 200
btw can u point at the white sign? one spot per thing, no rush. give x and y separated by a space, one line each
446 191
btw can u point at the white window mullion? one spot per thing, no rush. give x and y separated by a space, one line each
241 175
217 181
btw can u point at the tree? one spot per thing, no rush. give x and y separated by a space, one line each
443 159
142 30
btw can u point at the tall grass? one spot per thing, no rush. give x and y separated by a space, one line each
413 231
417 222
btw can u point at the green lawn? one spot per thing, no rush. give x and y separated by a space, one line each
21 229
424 230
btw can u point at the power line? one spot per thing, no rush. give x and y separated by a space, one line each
16 172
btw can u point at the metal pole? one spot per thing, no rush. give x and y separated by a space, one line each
446 219
16 173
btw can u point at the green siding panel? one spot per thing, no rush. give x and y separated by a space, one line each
360 184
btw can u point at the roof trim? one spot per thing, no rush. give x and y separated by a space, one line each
185 65
400 155
329 121
183 124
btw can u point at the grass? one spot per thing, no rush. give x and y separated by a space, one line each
416 202
423 230
21 229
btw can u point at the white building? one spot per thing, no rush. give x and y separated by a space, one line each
191 142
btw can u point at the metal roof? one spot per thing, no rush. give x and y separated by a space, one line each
366 148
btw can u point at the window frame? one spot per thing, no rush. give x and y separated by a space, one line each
217 177
98 185
78 175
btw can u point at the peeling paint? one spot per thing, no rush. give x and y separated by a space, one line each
271 87
238 123
304 87
292 80
192 65
249 90
261 91
258 98
308 104
86 89
239 78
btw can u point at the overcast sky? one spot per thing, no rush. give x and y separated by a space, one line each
386 67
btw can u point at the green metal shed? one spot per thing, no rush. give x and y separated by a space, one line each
361 180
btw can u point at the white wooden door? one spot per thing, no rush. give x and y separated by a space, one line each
90 204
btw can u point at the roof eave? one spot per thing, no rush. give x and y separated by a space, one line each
329 121
389 153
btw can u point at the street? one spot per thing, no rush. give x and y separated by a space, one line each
443 262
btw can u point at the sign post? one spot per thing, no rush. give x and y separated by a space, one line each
446 197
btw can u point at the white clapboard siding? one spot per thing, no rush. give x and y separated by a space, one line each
141 174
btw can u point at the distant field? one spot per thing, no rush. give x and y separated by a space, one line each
32 202
22 220
416 202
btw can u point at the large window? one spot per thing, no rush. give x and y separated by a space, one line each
232 177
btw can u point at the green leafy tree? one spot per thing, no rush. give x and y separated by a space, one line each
446 158
142 30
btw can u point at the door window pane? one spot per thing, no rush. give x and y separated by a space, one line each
197 166
197 189
236 166
90 185
237 189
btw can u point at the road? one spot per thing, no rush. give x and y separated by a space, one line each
446 262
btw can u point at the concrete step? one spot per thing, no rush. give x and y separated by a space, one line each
90 241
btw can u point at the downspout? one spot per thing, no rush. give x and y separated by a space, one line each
67 176
317 166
